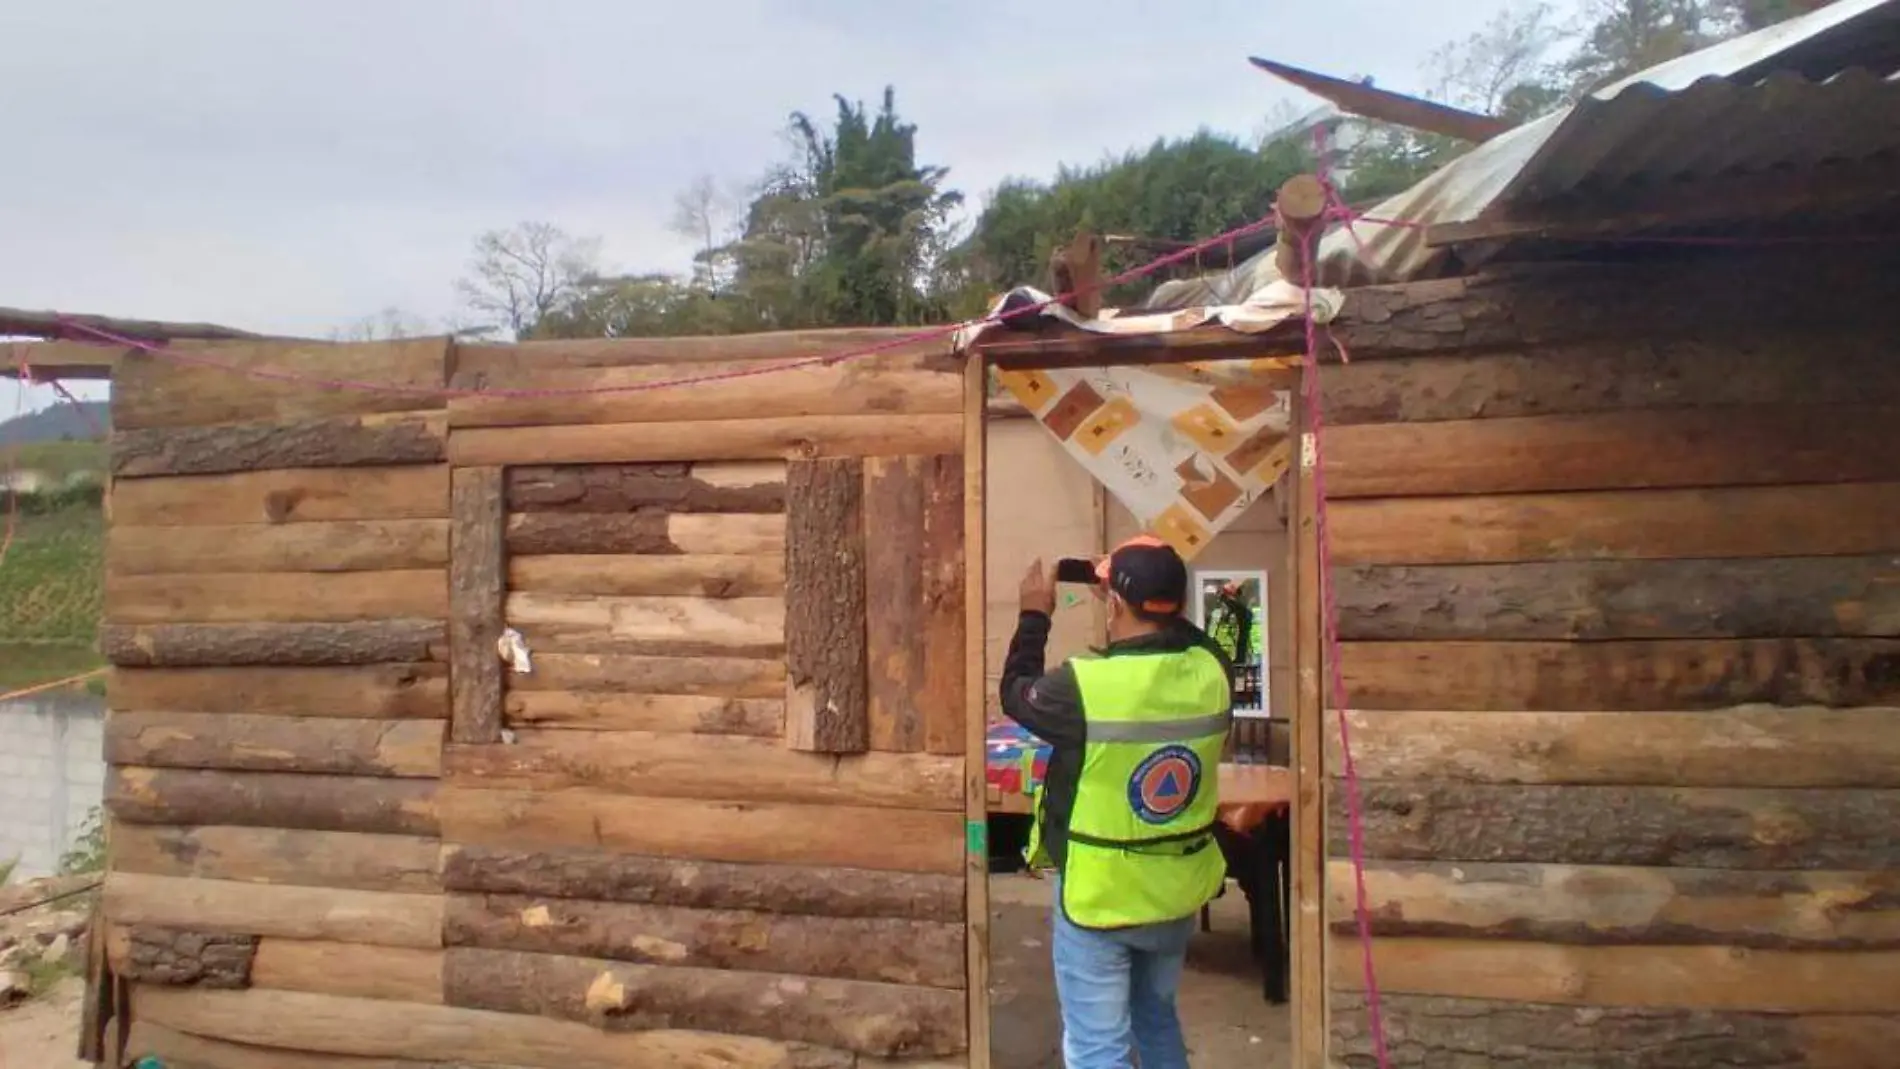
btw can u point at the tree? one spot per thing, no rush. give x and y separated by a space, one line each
520 275
702 213
390 324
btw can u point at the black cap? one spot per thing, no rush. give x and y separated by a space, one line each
1150 577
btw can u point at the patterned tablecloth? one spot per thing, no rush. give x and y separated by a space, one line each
1015 762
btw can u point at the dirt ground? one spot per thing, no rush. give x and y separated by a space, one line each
44 1033
1228 1023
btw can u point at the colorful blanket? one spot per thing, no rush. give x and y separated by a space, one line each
1015 761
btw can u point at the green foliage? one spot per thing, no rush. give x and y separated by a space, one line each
60 460
88 852
50 590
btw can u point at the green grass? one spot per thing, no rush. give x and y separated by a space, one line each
57 459
51 596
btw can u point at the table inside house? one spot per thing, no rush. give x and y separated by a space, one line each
1016 762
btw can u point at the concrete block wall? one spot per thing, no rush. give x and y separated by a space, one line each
52 775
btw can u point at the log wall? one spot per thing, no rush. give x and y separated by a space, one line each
721 821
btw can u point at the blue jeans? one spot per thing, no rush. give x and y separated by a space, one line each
1117 992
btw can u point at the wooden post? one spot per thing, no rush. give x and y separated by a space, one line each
1300 209
476 592
826 706
1308 922
976 718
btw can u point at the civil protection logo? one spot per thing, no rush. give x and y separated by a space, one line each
1164 784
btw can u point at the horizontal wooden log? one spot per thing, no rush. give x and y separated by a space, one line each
793 438
354 970
712 767
179 389
283 597
1750 747
379 1028
1424 1031
289 645
370 441
727 390
1605 904
1439 820
272 800
181 1050
659 881
686 713
921 953
588 622
1682 674
650 533
372 691
700 575
724 677
154 954
522 364
1713 977
291 495
243 742
349 860
895 840
742 486
1817 597
1694 447
1754 521
877 1019
395 920
323 546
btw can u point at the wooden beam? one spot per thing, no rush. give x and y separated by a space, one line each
976 860
1301 210
477 588
1360 98
1307 924
57 325
825 701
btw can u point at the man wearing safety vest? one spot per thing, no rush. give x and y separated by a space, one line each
1127 808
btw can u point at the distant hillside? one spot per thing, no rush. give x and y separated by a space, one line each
58 423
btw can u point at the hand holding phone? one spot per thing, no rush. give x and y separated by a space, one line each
1076 570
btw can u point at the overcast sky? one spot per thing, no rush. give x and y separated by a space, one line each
288 166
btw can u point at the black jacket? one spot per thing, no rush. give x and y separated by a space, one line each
1049 706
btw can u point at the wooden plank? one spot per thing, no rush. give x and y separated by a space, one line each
794 438
1711 977
477 587
1817 597
660 881
343 442
698 575
356 970
1429 1030
373 691
186 1051
259 645
975 860
332 546
1757 521
944 627
711 767
698 714
743 486
170 390
281 597
895 840
885 1020
1606 904
825 592
525 365
1306 924
653 533
379 1028
349 860
394 920
272 800
589 622
725 677
288 495
1695 447
240 741
1701 827
894 601
1747 747
885 950
1682 674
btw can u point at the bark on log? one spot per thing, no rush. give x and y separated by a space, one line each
918 953
524 364
325 443
477 585
152 954
282 597
673 487
353 970
333 546
395 920
180 1050
1435 820
711 767
825 590
242 742
685 713
160 390
571 622
1615 905
290 645
649 533
347 860
660 881
1815 597
293 495
882 1020
725 677
1756 521
294 1020
796 438
701 575
373 691
1685 674
272 800
894 840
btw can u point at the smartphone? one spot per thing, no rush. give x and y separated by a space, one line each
1076 570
